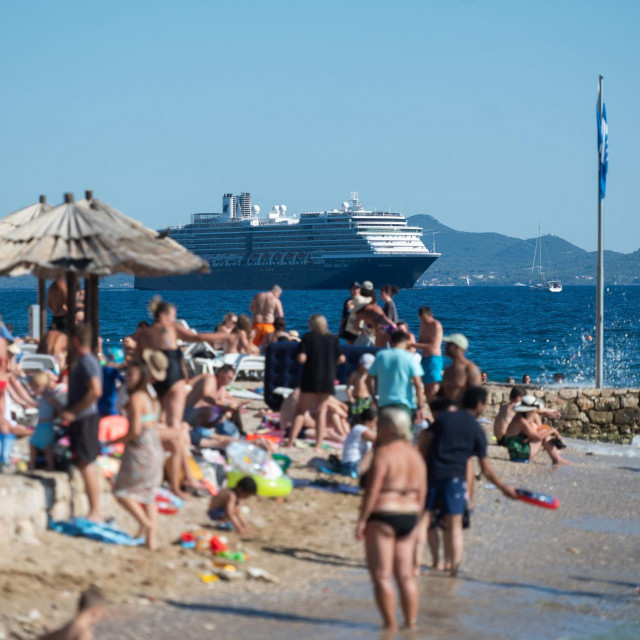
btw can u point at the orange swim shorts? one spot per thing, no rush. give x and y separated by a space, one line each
261 331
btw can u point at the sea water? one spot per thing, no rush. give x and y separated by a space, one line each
512 331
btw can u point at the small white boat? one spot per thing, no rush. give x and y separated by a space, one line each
552 286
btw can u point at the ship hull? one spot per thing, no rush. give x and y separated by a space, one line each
399 270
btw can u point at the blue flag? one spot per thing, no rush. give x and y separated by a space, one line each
603 148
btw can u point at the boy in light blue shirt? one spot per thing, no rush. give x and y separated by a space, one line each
398 375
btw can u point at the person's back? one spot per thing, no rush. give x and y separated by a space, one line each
358 442
322 352
395 370
404 473
456 436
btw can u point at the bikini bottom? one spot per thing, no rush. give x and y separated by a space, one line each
401 523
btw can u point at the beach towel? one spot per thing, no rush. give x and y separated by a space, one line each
326 485
98 531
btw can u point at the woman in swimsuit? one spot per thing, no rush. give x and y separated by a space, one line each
141 469
163 335
227 326
235 341
391 508
374 317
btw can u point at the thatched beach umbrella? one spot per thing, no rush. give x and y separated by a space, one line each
17 219
91 239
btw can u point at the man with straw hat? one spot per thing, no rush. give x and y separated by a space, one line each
526 436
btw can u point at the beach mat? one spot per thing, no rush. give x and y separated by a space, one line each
326 485
98 531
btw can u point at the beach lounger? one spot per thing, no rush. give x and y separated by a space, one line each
249 364
38 362
28 348
200 347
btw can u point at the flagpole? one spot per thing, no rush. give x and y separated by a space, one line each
600 275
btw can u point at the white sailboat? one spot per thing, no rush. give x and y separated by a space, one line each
539 283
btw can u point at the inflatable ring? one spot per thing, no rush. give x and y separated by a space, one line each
284 462
277 488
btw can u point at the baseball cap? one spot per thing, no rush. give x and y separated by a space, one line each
459 339
366 359
367 284
355 284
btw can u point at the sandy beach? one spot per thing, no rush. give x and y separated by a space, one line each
527 572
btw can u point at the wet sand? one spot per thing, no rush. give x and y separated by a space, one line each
527 573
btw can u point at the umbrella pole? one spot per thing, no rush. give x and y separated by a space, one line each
88 303
94 312
71 313
43 308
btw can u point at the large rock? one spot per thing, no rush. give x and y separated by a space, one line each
570 412
606 403
584 403
568 394
600 417
629 415
629 400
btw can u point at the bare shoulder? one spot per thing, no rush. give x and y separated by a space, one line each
415 457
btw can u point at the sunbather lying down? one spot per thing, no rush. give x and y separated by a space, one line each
337 418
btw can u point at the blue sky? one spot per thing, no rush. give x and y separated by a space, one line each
481 113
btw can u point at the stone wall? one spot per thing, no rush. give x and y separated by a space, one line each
611 415
28 501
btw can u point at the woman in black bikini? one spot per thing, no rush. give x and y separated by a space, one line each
391 508
163 335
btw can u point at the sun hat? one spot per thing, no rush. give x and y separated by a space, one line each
529 403
157 362
294 334
366 360
367 284
360 302
459 339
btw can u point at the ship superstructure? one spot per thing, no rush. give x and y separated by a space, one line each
318 249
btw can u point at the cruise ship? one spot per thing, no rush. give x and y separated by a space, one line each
317 250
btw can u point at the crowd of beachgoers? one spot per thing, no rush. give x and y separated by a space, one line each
407 425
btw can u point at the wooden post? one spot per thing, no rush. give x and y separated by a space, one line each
94 318
71 314
42 302
88 302
71 302
42 292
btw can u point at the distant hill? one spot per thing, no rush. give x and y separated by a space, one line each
493 258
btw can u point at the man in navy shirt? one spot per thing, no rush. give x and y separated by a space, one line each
453 439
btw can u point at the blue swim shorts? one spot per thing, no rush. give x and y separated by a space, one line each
432 366
447 494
